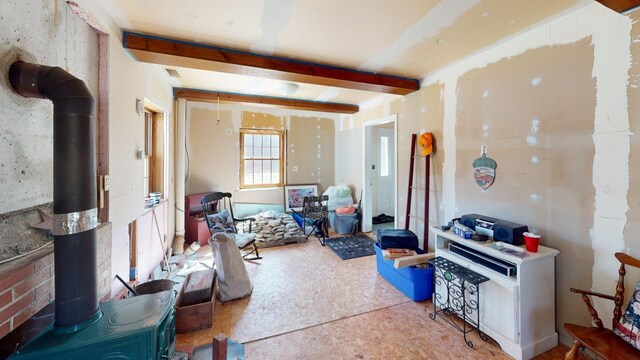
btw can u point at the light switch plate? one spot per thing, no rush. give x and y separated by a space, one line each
294 168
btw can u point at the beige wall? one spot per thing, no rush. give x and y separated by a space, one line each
551 105
214 148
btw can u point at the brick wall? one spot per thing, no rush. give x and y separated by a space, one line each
27 287
27 283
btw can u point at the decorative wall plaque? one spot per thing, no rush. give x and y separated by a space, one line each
484 169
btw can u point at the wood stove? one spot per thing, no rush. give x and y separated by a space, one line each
141 327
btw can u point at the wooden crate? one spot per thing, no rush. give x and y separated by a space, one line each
195 317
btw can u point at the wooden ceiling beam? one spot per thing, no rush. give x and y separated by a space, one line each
173 52
307 105
620 5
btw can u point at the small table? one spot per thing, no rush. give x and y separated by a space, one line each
458 281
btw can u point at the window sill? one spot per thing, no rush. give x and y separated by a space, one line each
149 208
261 188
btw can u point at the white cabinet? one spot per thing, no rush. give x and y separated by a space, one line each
517 311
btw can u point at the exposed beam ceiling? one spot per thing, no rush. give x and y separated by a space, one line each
173 52
213 96
620 5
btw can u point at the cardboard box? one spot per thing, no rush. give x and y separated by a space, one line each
197 316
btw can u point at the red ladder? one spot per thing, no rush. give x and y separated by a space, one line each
426 191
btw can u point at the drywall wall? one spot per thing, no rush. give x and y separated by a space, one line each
535 112
214 148
632 229
551 104
52 36
310 148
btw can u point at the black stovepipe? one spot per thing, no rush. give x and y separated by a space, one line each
74 189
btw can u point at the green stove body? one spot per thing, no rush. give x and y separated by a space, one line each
141 327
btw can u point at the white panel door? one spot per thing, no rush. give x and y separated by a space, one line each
385 160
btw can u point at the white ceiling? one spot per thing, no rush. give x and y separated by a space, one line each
402 37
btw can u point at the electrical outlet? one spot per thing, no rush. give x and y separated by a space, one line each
107 183
294 168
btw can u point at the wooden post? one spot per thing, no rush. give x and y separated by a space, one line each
427 189
219 349
410 187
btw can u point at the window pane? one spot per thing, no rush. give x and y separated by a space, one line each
248 178
248 152
266 152
275 165
248 172
248 140
248 166
257 172
266 140
274 153
257 140
384 156
275 177
257 152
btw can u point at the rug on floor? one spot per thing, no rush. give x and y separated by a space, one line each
351 247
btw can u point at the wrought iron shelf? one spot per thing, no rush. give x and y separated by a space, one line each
461 298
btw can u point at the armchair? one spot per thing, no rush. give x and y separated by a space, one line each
602 341
224 221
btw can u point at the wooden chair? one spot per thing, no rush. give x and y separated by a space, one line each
600 340
213 204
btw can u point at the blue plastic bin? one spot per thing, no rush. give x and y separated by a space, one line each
416 283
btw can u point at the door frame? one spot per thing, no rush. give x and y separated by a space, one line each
366 173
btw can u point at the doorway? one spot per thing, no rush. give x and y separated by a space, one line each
380 185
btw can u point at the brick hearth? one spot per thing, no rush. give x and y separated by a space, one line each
27 283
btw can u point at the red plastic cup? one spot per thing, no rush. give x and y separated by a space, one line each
531 241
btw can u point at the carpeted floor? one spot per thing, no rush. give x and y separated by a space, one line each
351 247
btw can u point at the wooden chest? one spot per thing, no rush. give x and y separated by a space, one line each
197 316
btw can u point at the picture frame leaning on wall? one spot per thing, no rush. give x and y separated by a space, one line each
294 194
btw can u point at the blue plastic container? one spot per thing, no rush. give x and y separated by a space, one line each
416 283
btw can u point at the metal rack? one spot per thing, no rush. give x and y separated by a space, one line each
461 298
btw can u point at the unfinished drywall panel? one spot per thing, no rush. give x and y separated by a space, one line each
213 155
430 109
632 231
466 19
214 149
535 112
51 34
127 83
258 120
310 151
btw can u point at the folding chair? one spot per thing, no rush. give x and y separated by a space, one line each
314 213
218 211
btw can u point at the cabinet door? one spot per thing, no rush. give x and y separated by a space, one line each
498 308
